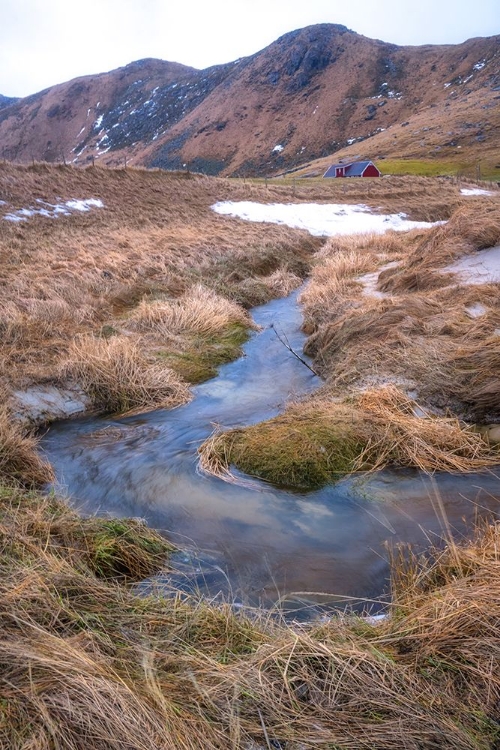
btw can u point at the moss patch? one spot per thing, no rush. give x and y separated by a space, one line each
296 450
202 355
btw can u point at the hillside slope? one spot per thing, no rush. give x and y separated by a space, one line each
310 94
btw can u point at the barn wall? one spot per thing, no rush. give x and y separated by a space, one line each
371 171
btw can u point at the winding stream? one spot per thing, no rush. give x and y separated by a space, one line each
254 543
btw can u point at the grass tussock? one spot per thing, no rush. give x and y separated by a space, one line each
193 334
119 378
320 441
121 549
198 311
86 663
19 459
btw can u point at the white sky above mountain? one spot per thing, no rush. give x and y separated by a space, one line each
44 42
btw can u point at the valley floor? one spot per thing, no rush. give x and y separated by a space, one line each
128 303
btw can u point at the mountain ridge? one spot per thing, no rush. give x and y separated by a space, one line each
314 92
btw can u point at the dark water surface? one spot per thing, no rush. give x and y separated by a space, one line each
255 543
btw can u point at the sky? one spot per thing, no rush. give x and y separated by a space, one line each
44 42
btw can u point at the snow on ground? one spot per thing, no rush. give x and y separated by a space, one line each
475 191
320 219
476 311
53 210
370 281
482 267
34 405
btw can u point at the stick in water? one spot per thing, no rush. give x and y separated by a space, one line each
286 343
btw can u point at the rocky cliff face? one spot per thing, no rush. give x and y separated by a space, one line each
309 94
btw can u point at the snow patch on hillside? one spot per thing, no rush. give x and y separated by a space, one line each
475 191
53 210
320 219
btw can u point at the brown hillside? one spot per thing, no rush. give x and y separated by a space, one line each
51 125
312 93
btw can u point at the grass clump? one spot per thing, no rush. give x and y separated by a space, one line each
197 311
119 377
299 449
194 333
19 460
124 549
318 442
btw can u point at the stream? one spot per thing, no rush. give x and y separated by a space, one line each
251 542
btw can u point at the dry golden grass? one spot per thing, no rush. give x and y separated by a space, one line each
156 236
19 459
471 228
419 331
85 663
333 287
124 549
421 198
197 311
424 341
333 278
123 283
119 378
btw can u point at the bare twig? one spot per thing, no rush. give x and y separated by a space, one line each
286 343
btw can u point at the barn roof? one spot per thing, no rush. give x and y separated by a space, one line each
333 167
351 168
357 168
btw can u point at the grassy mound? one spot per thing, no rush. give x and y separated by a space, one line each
107 548
118 377
320 441
195 333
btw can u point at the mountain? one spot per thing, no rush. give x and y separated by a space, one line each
6 101
312 93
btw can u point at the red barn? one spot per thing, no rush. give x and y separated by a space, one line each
353 169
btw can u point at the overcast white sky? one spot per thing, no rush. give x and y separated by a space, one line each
44 42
